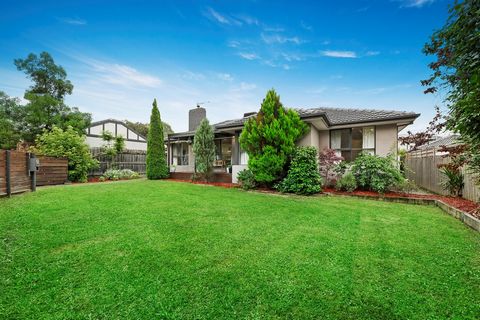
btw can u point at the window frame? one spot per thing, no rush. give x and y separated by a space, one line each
350 149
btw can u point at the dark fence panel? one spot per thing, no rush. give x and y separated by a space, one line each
135 160
14 175
52 171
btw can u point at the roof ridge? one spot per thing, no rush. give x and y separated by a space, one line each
355 109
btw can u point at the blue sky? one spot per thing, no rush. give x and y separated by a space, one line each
121 54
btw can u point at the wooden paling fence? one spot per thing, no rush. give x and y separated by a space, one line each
135 160
16 175
422 168
52 171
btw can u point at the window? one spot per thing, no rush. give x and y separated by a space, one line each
349 143
180 154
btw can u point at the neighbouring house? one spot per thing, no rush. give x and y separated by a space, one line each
133 140
438 142
348 131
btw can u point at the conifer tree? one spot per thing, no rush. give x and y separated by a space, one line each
269 139
157 167
204 149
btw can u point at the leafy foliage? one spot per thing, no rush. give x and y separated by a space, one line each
303 176
328 161
9 137
46 108
457 71
113 146
246 179
48 78
376 173
415 140
454 181
204 149
142 128
269 139
454 178
123 174
346 183
67 143
157 167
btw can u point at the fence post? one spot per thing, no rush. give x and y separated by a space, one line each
33 180
7 173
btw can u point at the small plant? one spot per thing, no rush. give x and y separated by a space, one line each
376 173
454 177
123 174
454 181
246 179
303 176
346 183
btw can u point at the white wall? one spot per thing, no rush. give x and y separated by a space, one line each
236 169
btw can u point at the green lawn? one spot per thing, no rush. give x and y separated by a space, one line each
168 250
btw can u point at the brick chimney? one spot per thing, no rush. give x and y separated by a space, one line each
195 116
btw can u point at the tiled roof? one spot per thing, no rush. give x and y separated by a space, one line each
337 116
446 141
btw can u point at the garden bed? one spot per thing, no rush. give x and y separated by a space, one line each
216 184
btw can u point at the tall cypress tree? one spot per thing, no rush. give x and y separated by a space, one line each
204 149
156 163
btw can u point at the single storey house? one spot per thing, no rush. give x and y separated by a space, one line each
133 140
348 131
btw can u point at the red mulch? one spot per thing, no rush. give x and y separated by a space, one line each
216 184
456 202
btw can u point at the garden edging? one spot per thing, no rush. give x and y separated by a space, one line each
465 217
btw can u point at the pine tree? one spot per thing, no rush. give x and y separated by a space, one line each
204 149
269 139
156 163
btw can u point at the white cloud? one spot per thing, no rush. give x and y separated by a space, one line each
221 18
73 21
119 74
372 53
338 54
189 75
249 20
233 44
306 26
225 76
414 3
249 56
291 57
273 29
277 38
245 86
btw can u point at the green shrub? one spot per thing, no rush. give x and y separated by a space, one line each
404 186
303 176
246 179
122 174
347 183
269 139
68 144
376 173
